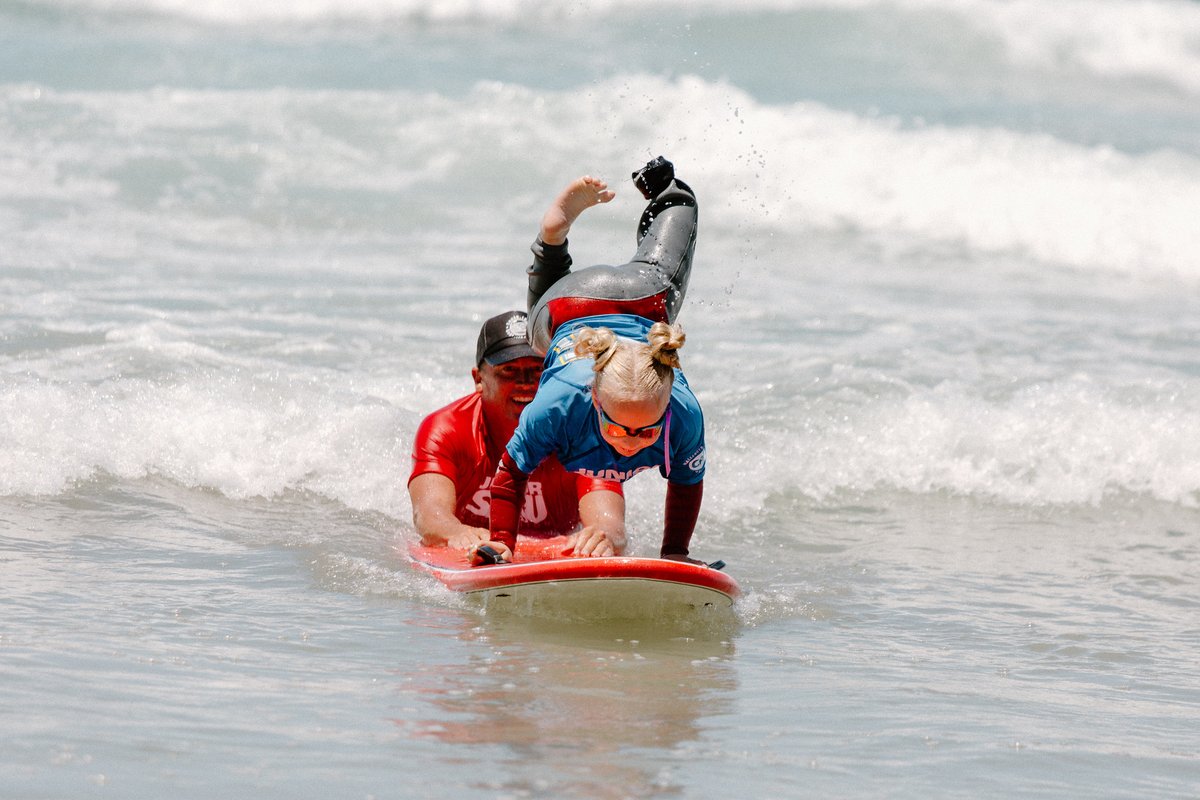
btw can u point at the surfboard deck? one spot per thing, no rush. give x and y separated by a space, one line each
544 579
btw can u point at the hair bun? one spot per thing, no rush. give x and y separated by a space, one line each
665 341
597 343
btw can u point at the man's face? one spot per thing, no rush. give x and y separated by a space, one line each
510 387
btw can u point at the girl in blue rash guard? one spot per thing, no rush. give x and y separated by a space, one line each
612 400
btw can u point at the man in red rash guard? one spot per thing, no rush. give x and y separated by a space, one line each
458 447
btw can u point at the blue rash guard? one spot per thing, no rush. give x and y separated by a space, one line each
562 419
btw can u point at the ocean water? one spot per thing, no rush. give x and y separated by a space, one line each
943 321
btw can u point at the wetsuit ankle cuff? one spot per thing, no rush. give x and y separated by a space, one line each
549 250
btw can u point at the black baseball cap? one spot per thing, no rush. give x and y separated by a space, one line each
503 338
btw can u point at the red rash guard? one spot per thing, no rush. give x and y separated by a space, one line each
453 441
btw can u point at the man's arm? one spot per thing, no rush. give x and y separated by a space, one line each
433 502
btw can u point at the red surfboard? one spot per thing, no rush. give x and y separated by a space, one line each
545 579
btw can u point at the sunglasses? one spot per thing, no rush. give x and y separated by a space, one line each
618 431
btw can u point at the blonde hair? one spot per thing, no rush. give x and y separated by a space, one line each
633 370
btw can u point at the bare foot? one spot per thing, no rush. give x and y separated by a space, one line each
580 195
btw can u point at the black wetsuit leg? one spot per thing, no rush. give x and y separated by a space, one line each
666 237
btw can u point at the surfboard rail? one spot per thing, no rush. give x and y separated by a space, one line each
547 562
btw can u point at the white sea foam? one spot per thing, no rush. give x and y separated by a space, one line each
989 189
1069 441
242 437
291 165
1062 442
171 184
1150 39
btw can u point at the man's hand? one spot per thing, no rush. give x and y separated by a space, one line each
468 538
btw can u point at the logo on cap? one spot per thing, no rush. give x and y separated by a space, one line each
516 326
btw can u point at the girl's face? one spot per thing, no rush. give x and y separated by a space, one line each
629 426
